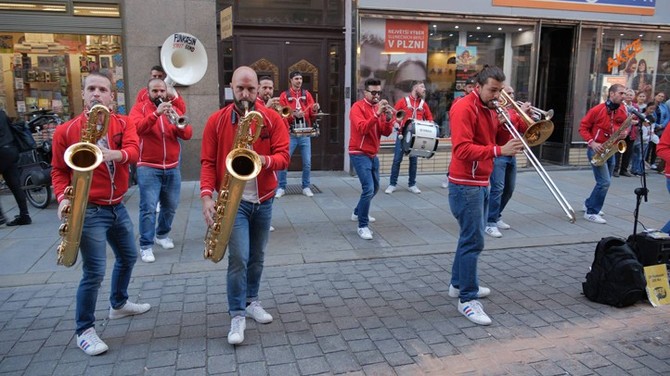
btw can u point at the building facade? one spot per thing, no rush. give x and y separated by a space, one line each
561 56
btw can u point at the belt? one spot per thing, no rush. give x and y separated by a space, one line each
95 206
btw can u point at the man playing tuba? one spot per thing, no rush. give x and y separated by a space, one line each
251 227
106 218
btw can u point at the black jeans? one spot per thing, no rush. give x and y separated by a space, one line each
9 157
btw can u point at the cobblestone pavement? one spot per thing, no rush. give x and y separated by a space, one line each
345 306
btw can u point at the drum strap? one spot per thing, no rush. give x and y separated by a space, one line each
408 101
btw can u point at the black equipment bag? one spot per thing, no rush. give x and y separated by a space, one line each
616 277
23 139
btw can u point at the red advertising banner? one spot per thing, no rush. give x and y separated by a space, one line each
406 37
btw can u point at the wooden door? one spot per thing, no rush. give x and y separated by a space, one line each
320 60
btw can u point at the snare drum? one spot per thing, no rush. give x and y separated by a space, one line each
420 138
300 129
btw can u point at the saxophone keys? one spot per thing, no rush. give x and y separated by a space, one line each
62 230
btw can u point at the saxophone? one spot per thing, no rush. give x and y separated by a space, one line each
82 157
613 145
242 164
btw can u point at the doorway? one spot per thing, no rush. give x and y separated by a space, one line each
319 60
554 89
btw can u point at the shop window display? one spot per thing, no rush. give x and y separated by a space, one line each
45 71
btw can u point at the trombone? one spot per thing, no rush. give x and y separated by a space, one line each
538 132
546 179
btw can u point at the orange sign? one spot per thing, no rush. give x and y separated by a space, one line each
406 36
626 53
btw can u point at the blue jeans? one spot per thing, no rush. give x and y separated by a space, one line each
246 253
305 144
157 185
636 164
104 224
468 205
666 228
503 181
395 168
603 174
367 170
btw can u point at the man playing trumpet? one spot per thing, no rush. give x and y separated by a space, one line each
370 119
158 173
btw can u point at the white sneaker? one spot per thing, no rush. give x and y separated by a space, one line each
147 255
90 343
595 218
414 189
256 312
166 242
237 326
390 189
158 207
445 184
307 192
493 231
653 166
365 233
354 218
280 192
502 225
474 311
272 228
482 293
128 309
600 213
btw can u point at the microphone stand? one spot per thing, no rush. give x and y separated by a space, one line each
640 191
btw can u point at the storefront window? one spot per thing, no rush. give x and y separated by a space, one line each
46 71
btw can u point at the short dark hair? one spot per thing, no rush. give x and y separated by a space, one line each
265 78
490 71
372 82
614 88
154 79
293 74
158 68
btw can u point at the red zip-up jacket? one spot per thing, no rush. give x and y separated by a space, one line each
106 188
422 113
473 138
217 142
306 104
663 151
599 123
159 144
179 103
367 128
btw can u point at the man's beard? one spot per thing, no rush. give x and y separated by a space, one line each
266 97
158 100
239 104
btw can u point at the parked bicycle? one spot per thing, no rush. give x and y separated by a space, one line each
35 165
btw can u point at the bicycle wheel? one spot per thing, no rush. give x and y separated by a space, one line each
38 196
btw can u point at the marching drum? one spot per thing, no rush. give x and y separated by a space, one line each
420 138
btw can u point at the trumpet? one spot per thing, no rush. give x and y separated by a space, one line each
538 112
284 111
390 111
180 121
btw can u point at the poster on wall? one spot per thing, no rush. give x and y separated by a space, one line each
395 52
607 81
636 60
466 67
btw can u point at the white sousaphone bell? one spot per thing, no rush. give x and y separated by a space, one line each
184 59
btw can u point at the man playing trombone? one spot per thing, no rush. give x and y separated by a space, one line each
503 177
158 173
474 125
416 108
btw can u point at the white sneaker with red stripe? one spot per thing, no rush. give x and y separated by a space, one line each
474 311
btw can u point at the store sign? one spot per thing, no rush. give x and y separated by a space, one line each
226 22
406 37
626 53
637 7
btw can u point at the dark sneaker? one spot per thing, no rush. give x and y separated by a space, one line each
3 220
20 220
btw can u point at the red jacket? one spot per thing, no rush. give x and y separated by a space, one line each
106 188
503 136
217 142
179 103
473 137
367 128
306 103
416 109
663 151
159 144
599 123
